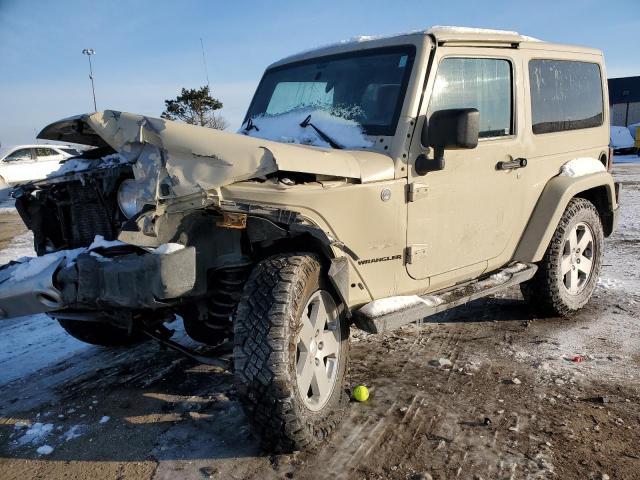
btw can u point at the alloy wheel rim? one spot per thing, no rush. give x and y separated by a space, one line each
318 350
577 258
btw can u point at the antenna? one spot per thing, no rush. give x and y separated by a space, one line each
204 61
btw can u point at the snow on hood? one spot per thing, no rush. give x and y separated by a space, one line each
286 128
174 159
79 164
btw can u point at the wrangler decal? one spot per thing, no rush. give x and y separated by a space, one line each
381 259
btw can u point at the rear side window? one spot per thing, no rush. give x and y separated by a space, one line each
482 83
565 95
45 152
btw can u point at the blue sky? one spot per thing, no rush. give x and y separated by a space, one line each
147 50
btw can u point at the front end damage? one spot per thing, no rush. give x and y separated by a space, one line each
178 171
115 279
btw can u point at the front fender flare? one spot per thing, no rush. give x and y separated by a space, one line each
551 205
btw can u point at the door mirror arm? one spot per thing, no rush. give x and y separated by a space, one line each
456 128
424 164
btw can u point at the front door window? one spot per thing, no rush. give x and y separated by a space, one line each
22 155
482 83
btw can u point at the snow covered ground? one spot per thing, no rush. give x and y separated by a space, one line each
30 344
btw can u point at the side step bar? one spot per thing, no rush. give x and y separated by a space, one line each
393 312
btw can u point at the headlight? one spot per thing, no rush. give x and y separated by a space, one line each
129 197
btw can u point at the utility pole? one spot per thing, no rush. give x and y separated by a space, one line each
204 61
88 52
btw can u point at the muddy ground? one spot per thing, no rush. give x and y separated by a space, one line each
523 397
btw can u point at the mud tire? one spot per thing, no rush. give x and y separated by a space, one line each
546 292
101 334
268 320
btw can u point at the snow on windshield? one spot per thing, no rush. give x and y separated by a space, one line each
286 128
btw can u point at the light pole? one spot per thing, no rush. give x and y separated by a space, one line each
88 52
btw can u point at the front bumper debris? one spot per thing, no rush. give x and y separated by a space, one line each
26 296
131 281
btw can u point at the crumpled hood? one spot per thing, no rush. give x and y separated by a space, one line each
175 159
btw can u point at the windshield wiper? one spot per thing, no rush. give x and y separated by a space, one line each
307 123
251 126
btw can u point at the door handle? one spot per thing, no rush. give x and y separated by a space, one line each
512 164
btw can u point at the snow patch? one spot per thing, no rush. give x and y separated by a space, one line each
105 419
506 273
31 266
286 128
100 242
75 165
44 450
36 433
579 167
454 29
394 304
167 248
74 432
431 30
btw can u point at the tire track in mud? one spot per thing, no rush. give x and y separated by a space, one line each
427 424
358 442
383 434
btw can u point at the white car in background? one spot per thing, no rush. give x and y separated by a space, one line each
621 141
24 163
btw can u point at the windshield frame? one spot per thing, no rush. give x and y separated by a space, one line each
373 130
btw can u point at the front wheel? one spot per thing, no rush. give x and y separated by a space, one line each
568 273
291 351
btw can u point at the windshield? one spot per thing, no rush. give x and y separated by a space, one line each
367 87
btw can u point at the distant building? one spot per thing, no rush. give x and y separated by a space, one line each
624 99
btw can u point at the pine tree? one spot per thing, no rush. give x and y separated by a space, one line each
195 107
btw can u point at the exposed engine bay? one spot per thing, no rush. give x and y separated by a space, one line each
69 211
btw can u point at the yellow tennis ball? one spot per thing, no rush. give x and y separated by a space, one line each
361 393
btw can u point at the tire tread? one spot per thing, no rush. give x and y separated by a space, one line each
263 330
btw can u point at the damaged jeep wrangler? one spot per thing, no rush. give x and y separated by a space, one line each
372 183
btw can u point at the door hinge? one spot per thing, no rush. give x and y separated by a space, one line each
416 191
415 252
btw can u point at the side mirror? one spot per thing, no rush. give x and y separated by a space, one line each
453 129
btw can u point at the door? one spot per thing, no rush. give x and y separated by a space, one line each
462 216
48 161
15 165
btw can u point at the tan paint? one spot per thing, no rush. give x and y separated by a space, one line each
464 220
551 204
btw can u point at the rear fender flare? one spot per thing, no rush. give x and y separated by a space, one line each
552 203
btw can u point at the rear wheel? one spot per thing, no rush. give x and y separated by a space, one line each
291 352
568 273
102 334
